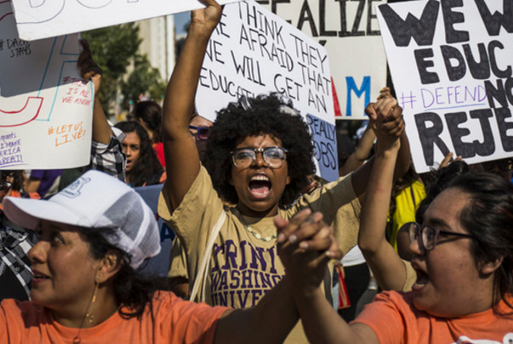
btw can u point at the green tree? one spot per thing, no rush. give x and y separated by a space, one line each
144 79
115 49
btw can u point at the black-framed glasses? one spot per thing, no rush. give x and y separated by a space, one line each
201 132
274 157
426 236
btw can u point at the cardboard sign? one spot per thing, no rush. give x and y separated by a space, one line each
252 52
349 31
38 19
45 108
451 63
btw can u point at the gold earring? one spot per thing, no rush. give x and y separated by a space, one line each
89 316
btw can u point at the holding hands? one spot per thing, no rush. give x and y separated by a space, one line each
386 120
306 245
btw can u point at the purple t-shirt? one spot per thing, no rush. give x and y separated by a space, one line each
47 178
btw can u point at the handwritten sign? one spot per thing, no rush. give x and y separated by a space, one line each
252 52
37 19
349 31
45 108
324 135
451 62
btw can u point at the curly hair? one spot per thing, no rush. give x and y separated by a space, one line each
488 217
147 164
265 115
150 113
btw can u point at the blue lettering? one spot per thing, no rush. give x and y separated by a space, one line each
351 87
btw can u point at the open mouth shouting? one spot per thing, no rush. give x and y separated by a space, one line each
422 278
260 186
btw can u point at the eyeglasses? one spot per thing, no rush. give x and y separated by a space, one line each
426 236
273 156
201 132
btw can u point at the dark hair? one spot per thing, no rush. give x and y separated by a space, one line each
147 164
131 289
488 217
438 182
264 116
17 178
151 114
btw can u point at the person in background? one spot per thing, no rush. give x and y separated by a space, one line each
142 165
199 128
15 242
149 115
44 182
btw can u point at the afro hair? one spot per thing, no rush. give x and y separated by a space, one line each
266 114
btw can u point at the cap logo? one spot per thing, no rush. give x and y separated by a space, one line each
73 190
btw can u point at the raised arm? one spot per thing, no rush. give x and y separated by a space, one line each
381 257
106 152
89 70
390 126
182 158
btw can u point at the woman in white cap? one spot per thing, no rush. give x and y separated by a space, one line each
93 235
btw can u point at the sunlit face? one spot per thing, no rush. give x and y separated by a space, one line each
449 282
259 187
63 266
132 148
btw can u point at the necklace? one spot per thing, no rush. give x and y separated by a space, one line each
258 236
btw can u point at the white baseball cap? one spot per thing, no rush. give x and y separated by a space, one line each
95 200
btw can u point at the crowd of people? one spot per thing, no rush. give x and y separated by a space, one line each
260 240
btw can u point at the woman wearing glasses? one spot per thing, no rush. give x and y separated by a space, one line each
462 255
257 160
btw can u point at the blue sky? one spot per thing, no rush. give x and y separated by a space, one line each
180 20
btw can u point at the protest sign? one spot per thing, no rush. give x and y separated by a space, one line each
252 52
45 108
158 265
349 31
37 19
451 63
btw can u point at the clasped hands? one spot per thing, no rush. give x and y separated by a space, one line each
305 245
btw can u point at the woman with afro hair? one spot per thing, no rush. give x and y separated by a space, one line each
259 155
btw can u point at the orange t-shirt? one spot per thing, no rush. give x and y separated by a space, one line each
173 321
394 319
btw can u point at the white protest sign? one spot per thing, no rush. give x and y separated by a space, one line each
451 63
252 52
350 33
38 19
45 109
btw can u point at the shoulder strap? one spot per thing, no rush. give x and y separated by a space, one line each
201 277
